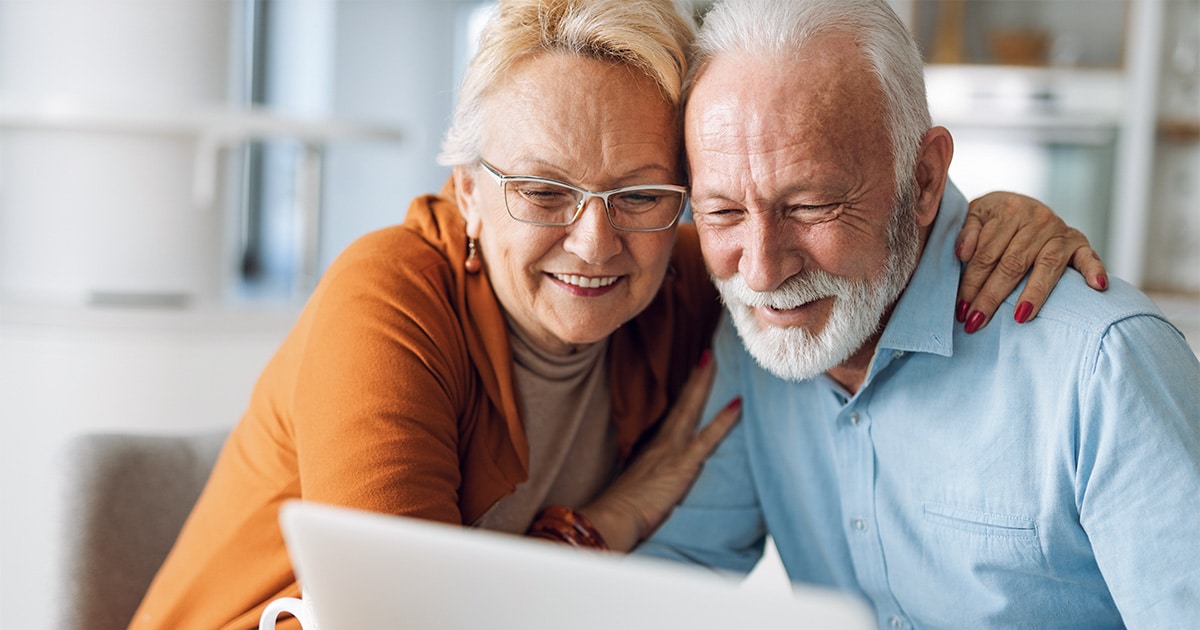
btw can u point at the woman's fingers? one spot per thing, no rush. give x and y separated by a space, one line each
684 417
1008 226
1072 249
1006 237
661 473
709 437
1086 261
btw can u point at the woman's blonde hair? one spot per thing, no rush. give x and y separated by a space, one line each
651 36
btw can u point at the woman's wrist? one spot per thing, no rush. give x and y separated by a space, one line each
621 530
565 525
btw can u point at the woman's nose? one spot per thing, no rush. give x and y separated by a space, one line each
591 237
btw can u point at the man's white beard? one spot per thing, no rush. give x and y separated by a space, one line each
858 308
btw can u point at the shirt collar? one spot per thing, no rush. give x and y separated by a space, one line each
923 320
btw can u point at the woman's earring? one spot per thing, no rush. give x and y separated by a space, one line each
473 264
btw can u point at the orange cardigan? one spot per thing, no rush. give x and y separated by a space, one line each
394 393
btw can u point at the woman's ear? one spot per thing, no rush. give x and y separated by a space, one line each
933 166
464 193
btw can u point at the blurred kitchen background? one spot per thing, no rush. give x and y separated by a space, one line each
175 175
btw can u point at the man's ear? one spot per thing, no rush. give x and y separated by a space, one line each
464 193
932 172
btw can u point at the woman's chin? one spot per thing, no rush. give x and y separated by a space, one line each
586 334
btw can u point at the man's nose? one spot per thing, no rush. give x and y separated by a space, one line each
768 256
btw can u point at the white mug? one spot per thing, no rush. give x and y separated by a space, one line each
298 608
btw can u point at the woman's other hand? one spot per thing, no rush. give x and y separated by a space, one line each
661 473
1007 235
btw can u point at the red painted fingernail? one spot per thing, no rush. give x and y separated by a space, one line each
1023 311
705 358
1102 280
958 251
974 322
960 313
735 403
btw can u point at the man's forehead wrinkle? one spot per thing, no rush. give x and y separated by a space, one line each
730 124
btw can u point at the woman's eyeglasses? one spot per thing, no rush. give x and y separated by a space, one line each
548 202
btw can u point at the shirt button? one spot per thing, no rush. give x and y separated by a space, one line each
859 525
855 419
896 622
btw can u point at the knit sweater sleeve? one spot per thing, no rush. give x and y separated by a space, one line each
380 382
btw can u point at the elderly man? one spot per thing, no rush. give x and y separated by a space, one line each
1037 475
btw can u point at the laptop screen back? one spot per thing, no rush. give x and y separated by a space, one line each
366 570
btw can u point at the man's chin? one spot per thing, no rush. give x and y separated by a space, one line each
837 317
789 353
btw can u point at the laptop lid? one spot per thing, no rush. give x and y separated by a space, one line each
368 570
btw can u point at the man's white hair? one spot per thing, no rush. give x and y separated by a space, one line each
779 29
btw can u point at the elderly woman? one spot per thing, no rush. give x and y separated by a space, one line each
499 359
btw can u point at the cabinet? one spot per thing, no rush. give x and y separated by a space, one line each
1090 105
1057 33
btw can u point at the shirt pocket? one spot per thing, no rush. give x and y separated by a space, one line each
977 563
981 540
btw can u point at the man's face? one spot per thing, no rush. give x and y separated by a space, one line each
793 194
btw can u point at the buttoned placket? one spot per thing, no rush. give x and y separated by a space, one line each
856 463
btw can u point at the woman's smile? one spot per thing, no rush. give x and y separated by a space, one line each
585 286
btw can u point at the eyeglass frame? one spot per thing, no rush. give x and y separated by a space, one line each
502 180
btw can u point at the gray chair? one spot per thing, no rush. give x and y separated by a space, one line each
127 497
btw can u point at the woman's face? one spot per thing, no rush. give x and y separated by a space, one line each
595 125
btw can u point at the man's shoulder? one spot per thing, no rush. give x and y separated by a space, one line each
1073 303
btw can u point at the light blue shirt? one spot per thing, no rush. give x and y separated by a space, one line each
1029 475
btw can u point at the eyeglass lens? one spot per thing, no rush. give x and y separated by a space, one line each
536 201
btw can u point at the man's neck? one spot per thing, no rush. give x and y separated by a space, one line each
851 373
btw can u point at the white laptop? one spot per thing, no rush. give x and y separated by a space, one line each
366 570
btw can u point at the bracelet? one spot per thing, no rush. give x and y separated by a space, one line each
565 525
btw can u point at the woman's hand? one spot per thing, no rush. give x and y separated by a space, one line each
1007 235
662 472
